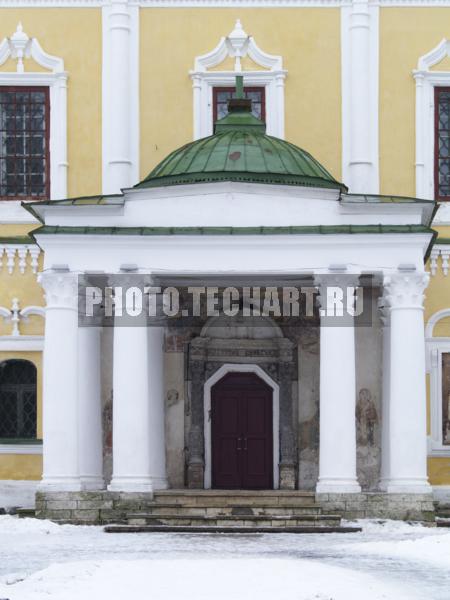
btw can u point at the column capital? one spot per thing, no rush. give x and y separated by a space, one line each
405 290
61 289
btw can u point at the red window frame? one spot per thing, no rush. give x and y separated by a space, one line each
46 91
259 88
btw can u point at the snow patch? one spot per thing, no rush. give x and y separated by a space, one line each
229 579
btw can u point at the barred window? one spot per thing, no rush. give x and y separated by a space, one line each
24 143
221 95
18 406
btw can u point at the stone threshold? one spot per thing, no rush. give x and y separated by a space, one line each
221 529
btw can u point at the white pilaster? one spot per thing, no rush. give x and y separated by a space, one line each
359 42
120 86
337 455
60 383
138 410
386 369
90 409
156 408
407 395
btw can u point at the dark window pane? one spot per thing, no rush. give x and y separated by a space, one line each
24 134
18 416
222 95
446 398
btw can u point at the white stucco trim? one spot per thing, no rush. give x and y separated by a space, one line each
56 81
435 347
22 343
441 493
237 368
15 493
237 45
21 448
426 80
215 3
360 104
12 211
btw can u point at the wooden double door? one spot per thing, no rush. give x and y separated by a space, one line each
242 433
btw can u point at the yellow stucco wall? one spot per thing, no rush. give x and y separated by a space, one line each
405 35
58 32
308 40
21 466
25 466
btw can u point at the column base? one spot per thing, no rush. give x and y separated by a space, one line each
60 484
338 486
383 484
131 484
92 483
408 485
160 483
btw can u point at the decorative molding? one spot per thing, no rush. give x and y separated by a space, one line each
120 93
217 3
20 47
359 84
426 80
238 45
435 347
61 289
21 252
21 448
438 316
16 315
23 343
405 290
440 257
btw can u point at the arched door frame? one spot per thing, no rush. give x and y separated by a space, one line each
217 376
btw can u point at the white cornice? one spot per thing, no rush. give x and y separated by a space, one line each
218 3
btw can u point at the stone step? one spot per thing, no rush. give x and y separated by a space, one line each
311 520
160 508
26 513
222 498
226 529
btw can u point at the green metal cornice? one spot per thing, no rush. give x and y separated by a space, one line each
226 231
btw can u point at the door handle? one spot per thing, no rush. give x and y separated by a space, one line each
239 447
245 444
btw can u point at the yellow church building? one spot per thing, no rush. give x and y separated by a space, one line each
350 111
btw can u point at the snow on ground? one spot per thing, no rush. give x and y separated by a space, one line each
389 561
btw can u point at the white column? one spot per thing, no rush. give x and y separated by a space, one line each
60 383
120 85
407 397
138 410
386 383
359 41
157 417
337 454
90 408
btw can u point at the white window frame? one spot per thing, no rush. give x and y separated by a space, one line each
238 45
19 47
426 80
436 347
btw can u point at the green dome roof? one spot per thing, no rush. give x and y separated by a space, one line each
240 150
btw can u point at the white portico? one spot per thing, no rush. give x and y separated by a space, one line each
226 224
394 251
